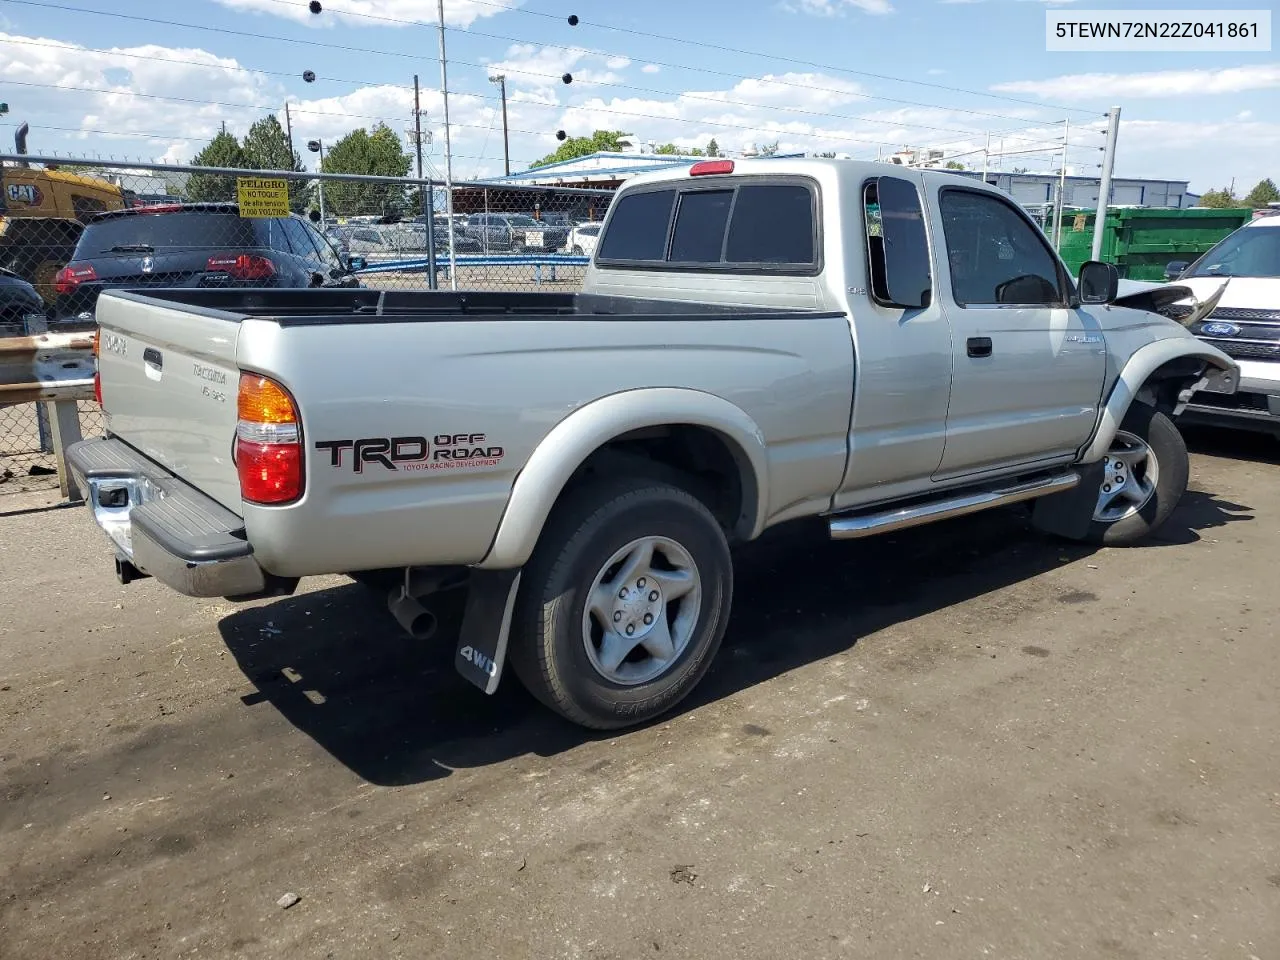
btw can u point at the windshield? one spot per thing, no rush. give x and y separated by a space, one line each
1249 252
523 221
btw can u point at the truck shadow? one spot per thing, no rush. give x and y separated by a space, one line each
394 711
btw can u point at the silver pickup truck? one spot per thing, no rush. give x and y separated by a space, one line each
757 341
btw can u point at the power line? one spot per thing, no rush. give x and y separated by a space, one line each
695 43
485 66
141 135
522 103
774 131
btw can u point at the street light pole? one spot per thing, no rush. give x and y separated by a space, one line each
501 81
428 197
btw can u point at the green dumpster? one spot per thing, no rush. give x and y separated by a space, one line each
1141 240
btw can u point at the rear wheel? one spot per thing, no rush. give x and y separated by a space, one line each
623 604
1145 473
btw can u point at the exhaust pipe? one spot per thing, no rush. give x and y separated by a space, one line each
417 620
20 142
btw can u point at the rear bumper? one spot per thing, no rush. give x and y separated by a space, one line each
164 527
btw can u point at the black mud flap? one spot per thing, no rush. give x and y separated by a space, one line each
486 623
1070 513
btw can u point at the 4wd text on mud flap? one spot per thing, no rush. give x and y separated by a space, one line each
473 655
443 451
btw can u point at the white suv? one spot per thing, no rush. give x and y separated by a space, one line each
1245 325
582 239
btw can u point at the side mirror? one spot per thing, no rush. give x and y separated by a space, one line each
356 263
1174 269
1099 282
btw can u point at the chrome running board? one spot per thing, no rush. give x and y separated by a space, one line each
852 527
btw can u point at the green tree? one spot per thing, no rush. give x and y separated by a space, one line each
713 148
575 147
377 153
266 147
1261 195
768 150
670 149
224 150
1220 199
953 165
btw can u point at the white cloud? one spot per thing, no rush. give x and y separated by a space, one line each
87 89
541 69
1244 115
835 8
1165 83
373 13
959 2
651 68
1209 154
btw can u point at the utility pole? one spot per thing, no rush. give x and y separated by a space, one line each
448 150
1062 186
501 81
986 158
1104 187
288 129
428 196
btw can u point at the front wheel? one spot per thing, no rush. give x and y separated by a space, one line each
1144 475
623 604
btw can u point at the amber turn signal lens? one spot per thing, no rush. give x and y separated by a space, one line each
264 401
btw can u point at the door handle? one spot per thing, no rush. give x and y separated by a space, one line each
978 346
153 356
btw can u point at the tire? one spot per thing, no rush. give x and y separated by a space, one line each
561 651
577 250
1172 468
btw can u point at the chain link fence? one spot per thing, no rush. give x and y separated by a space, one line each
72 228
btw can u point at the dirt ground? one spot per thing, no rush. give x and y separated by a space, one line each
962 741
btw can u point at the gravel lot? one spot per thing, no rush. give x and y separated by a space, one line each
961 741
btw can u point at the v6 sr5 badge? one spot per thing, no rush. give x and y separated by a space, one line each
444 451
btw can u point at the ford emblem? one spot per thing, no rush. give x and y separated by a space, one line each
1219 328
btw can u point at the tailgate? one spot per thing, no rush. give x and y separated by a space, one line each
169 386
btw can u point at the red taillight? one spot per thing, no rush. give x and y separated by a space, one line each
706 168
242 266
72 275
268 442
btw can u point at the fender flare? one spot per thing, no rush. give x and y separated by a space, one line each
571 441
1139 367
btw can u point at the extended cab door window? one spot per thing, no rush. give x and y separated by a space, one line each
897 244
997 257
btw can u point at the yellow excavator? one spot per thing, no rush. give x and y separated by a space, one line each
42 212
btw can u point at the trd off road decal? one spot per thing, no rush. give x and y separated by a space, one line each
444 451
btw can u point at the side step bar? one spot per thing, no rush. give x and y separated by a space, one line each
846 527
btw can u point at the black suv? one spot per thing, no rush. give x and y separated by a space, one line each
195 245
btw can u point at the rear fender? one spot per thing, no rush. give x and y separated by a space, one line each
1218 373
590 427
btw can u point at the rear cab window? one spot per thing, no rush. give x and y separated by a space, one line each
724 224
184 230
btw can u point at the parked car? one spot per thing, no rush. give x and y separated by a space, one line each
22 310
1245 325
406 240
195 245
582 239
514 233
582 462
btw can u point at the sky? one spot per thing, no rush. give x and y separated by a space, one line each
141 80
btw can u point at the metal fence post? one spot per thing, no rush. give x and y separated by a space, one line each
64 417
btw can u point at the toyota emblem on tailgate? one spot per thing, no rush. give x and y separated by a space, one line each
1219 328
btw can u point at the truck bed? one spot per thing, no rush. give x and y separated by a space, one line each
318 307
371 367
